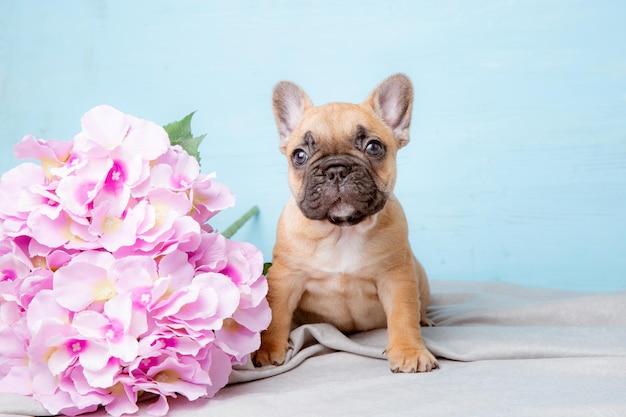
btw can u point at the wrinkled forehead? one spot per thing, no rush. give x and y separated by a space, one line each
342 120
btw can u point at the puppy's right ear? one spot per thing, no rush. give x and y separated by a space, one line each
289 102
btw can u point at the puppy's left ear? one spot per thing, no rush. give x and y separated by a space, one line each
392 101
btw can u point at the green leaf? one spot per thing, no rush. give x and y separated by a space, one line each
180 134
266 267
233 228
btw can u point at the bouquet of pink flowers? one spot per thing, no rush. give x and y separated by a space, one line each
112 284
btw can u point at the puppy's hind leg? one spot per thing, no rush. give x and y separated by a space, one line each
424 295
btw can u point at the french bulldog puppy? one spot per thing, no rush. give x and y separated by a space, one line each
342 254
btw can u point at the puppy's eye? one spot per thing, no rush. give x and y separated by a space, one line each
299 157
374 148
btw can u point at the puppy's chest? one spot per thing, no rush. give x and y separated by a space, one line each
344 254
341 289
348 302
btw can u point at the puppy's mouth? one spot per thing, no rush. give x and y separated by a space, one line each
342 214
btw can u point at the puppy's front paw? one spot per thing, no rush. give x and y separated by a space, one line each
270 353
411 359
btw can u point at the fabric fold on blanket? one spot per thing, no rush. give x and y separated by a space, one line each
308 341
477 322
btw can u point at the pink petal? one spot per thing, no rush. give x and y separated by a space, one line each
126 349
60 359
56 402
176 267
184 377
105 377
219 370
53 150
13 346
186 171
159 407
256 318
17 381
118 201
95 356
174 303
114 232
96 257
79 284
125 400
57 259
184 234
176 172
209 198
168 206
77 191
253 293
146 138
44 309
116 177
50 232
134 272
227 293
211 254
137 170
120 308
14 187
84 397
161 175
103 125
90 324
236 340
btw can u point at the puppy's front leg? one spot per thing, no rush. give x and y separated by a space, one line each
406 350
283 298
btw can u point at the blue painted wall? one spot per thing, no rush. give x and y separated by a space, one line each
517 166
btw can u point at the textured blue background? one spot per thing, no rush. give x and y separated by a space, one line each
517 166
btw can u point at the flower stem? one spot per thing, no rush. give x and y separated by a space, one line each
233 228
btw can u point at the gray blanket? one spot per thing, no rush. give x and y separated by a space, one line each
503 350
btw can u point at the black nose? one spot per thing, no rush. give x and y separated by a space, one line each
337 173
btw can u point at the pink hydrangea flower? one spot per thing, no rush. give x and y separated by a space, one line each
111 282
52 154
